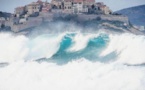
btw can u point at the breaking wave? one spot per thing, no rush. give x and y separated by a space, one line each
72 61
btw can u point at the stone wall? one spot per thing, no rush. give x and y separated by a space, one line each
32 22
120 18
46 17
85 17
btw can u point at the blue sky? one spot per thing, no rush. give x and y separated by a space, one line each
9 5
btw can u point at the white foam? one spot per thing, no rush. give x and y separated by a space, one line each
80 42
76 75
129 48
44 46
15 48
12 48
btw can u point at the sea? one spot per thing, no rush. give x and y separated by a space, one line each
72 61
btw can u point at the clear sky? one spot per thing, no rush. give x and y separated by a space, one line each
9 5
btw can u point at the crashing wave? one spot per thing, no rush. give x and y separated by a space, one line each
98 61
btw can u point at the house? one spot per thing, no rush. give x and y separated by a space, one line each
68 6
89 2
105 9
56 4
39 2
19 11
85 9
99 4
33 8
46 8
78 6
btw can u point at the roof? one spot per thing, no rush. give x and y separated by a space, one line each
99 3
68 0
40 2
33 4
90 1
78 1
102 6
19 8
57 0
47 6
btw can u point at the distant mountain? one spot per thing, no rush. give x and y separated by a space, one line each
4 14
135 14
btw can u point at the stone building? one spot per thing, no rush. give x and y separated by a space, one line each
39 2
46 8
105 9
33 7
99 4
57 4
19 11
89 2
68 6
78 6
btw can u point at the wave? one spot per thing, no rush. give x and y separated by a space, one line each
65 47
128 48
79 75
88 61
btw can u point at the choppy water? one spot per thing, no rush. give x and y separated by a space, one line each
72 61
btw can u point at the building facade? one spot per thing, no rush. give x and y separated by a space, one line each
33 7
57 4
68 6
78 6
20 11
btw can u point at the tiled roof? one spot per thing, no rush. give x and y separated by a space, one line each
78 1
68 0
90 0
58 0
40 2
100 3
102 6
20 8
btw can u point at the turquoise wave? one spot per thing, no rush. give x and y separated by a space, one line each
91 52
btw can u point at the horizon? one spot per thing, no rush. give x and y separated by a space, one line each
121 4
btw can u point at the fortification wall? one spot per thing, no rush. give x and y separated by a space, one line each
120 18
32 22
48 17
86 17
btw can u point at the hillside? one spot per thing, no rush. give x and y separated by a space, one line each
135 14
4 14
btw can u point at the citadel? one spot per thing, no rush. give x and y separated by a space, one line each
36 13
